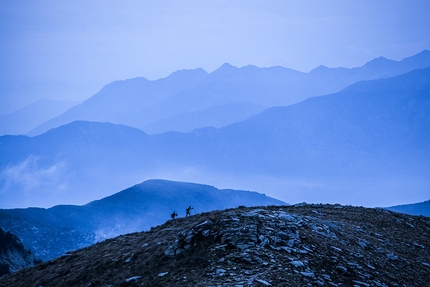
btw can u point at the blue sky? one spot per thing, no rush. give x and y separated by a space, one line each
71 49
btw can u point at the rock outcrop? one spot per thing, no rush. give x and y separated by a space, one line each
13 256
302 245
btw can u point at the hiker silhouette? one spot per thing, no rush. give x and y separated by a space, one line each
188 210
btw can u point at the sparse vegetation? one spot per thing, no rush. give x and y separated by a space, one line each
329 244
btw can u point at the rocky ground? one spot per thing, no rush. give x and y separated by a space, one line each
13 255
302 245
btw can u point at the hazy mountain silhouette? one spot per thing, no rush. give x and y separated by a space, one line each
134 209
29 117
130 102
420 208
138 102
60 165
354 147
373 135
215 116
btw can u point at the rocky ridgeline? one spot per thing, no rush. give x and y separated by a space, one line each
302 245
265 246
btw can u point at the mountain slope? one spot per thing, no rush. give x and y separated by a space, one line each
29 117
134 209
306 245
13 256
215 116
372 135
58 166
350 147
137 102
421 208
127 102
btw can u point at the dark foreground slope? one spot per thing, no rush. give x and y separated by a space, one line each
307 245
51 232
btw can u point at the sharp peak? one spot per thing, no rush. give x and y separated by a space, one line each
226 67
380 58
319 68
226 64
424 53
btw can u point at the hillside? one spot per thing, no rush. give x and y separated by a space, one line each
13 255
51 232
142 103
302 245
420 208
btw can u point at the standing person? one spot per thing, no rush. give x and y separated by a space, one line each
188 210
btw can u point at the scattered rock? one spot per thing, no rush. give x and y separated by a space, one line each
264 282
302 245
220 272
13 255
297 263
391 256
308 274
341 268
134 278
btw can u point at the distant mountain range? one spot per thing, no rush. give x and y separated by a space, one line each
29 117
51 232
187 99
354 146
215 116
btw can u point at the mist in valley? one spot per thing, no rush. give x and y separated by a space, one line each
265 97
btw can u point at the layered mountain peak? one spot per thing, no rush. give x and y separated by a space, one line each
379 63
137 208
139 102
224 69
421 59
418 79
186 74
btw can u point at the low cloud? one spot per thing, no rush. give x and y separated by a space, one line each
26 181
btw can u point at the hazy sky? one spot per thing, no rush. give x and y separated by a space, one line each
71 49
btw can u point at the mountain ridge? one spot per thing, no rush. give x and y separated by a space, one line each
136 208
29 117
300 245
420 208
263 86
331 148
